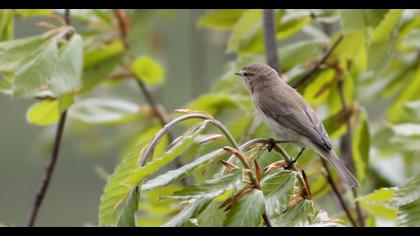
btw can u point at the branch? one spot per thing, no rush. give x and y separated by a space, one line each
337 193
321 61
270 40
348 150
54 157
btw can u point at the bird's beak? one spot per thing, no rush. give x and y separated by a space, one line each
240 73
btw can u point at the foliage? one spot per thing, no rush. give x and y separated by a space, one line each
374 70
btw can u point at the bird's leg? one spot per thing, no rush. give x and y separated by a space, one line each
273 143
298 155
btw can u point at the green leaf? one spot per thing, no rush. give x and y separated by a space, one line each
290 27
386 26
409 215
335 125
277 189
65 102
6 24
157 163
115 190
43 113
104 111
247 211
99 61
316 93
34 12
182 172
212 215
303 213
379 203
246 23
298 53
67 75
220 19
209 189
349 47
127 215
407 198
192 209
408 93
212 103
361 146
409 192
352 20
148 70
380 54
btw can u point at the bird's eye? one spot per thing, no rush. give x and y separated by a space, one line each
246 74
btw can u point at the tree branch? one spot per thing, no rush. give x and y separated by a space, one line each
42 190
321 61
270 40
347 141
337 193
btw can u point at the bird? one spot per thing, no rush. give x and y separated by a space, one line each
289 116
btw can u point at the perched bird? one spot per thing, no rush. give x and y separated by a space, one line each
287 113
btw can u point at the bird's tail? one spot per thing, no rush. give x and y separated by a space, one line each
341 168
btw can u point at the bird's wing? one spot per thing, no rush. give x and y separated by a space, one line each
302 120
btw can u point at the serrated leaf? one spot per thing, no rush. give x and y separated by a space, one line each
157 163
104 111
409 192
148 70
43 113
409 215
407 198
277 189
115 191
208 189
127 215
361 146
211 216
67 74
194 208
247 211
386 26
220 19
246 23
34 12
182 172
379 195
303 213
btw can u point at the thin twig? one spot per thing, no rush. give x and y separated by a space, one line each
321 61
42 190
270 40
337 193
348 142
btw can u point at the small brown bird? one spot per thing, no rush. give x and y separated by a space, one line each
287 113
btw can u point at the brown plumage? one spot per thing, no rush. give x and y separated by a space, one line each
287 113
